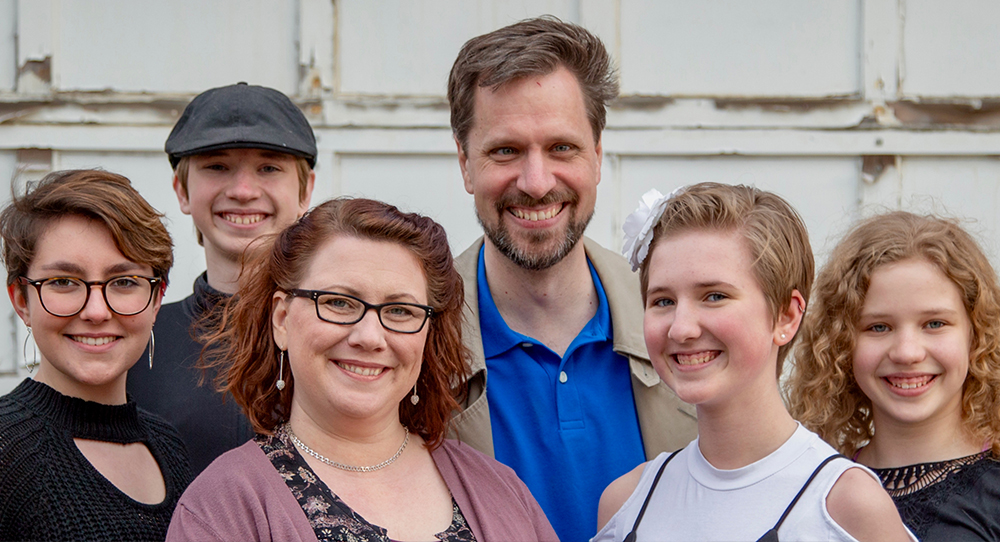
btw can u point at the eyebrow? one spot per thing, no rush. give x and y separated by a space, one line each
925 313
70 267
391 298
714 284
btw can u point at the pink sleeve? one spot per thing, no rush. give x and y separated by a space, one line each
495 502
185 526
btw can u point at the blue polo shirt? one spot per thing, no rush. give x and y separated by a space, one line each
568 425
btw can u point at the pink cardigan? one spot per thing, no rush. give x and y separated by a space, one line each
240 496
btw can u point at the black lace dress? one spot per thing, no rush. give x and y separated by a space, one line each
950 500
330 517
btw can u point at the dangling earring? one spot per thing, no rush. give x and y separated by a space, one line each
29 365
281 369
152 345
414 398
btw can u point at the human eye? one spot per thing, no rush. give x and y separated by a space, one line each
62 283
936 324
124 283
661 302
715 297
562 147
504 152
877 328
269 168
400 313
338 304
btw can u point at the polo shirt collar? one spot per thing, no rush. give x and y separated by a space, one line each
499 338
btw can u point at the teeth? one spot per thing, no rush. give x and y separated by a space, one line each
242 219
695 359
363 371
534 216
92 341
909 383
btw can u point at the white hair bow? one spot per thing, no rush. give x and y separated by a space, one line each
639 225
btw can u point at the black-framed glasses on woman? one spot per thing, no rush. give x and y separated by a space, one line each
125 295
346 309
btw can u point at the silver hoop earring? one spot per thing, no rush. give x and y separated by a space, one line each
281 370
30 365
414 398
152 346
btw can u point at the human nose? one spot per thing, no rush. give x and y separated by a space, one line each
684 326
368 332
95 308
907 348
244 186
536 178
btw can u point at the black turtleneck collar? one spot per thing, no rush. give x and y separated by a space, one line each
82 419
205 298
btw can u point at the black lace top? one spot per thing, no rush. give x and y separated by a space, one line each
330 517
950 500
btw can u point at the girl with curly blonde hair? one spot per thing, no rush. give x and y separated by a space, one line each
899 368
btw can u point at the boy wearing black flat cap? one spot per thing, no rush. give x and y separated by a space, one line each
243 159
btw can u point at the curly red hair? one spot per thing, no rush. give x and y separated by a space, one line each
241 347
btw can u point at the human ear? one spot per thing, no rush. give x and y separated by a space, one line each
463 163
279 316
307 197
790 319
182 195
17 298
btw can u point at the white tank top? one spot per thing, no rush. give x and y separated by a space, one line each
696 501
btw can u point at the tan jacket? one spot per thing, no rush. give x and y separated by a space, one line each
666 423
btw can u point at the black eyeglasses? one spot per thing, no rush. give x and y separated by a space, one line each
346 309
126 295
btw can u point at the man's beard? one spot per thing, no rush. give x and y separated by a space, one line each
524 257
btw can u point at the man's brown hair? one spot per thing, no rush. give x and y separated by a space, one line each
531 47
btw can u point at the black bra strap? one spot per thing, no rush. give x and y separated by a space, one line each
801 491
631 535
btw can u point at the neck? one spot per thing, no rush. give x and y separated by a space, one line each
744 429
359 443
223 272
551 305
898 445
110 393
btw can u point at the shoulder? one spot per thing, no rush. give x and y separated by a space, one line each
606 261
464 457
859 504
468 261
234 480
240 496
617 493
20 430
158 427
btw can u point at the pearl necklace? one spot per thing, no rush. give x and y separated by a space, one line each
301 445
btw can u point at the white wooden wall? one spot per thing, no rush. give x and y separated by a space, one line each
842 106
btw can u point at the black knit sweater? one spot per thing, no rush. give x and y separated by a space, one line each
48 489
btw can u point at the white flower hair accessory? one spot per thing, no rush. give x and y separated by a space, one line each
639 225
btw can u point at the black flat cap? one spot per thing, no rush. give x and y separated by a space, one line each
241 116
